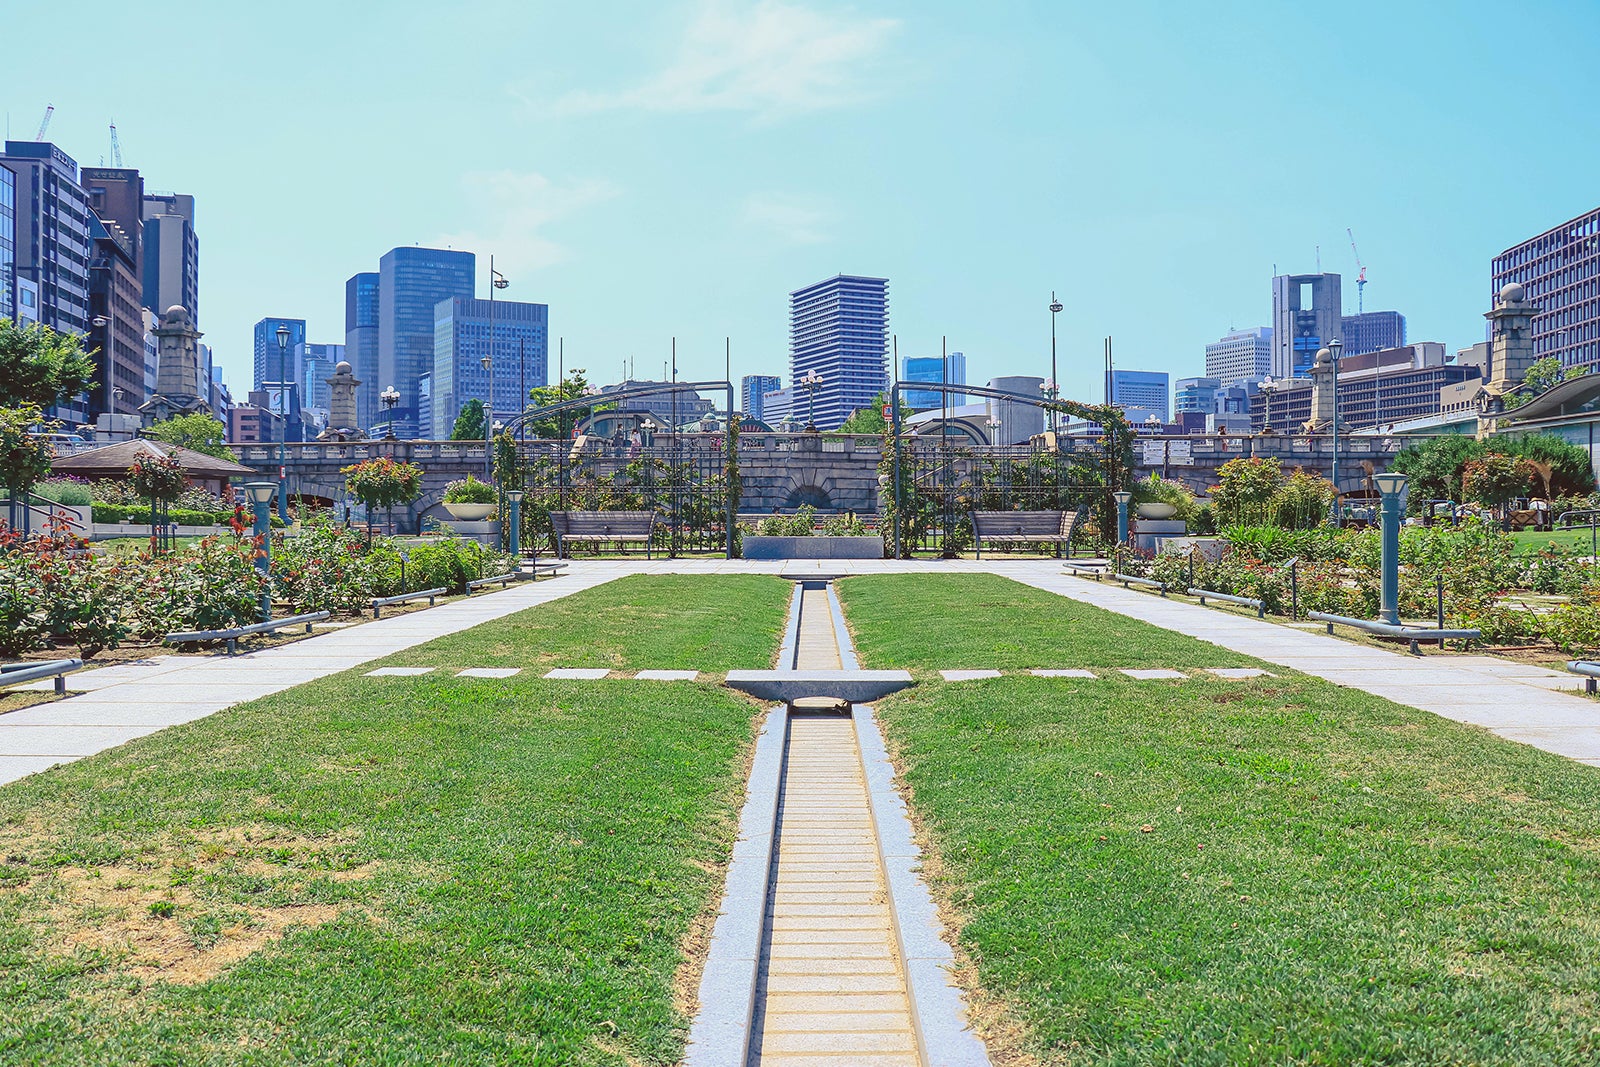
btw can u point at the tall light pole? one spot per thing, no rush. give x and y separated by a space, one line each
811 383
283 399
390 397
496 281
1055 309
1336 346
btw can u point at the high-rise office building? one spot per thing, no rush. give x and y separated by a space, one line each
266 350
171 254
411 283
838 332
1196 395
116 196
1240 355
8 243
519 358
116 323
1305 316
933 369
361 343
1372 331
1142 392
53 242
1559 271
753 390
315 363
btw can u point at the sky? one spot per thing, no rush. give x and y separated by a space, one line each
675 169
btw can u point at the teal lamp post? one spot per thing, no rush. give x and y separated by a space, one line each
260 495
514 498
1123 499
1392 489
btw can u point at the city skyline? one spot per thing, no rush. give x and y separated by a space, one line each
627 202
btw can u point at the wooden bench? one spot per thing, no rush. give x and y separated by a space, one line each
1023 527
617 526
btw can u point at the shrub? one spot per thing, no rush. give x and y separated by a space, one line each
801 524
65 491
331 568
1244 495
383 482
846 524
1302 502
452 563
469 491
213 586
156 478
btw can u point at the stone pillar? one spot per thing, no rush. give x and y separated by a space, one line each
342 399
1510 339
1322 408
178 366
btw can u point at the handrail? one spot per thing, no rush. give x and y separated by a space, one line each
232 635
1590 672
504 580
16 673
381 602
1246 601
1134 579
1412 634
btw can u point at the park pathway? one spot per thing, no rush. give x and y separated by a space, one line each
130 700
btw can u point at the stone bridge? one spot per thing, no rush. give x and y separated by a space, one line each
784 471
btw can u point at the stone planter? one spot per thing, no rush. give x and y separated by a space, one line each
470 512
1157 510
758 547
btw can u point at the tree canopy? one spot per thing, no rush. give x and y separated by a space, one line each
40 366
1544 373
870 418
197 432
574 385
469 424
1435 467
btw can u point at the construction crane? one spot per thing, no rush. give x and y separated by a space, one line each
49 109
1361 279
116 148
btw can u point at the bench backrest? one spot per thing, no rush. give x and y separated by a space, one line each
581 524
1024 523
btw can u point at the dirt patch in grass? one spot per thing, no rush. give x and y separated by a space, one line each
181 908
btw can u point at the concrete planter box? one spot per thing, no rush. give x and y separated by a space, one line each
105 531
487 533
759 547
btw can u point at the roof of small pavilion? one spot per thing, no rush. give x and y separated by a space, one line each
114 460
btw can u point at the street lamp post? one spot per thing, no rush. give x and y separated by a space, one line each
390 398
496 281
1336 346
1122 497
1392 489
514 498
260 496
811 383
1055 309
283 399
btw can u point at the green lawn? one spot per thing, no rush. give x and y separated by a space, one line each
981 620
388 870
1528 542
666 622
1271 871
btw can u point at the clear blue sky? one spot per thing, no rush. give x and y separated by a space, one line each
651 170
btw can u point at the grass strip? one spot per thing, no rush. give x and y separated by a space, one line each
1277 870
380 871
961 621
664 622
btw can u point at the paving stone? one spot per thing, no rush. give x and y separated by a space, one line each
967 675
1154 675
1071 672
581 674
398 672
489 672
1240 672
667 676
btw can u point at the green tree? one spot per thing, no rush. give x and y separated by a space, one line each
1433 468
197 433
574 385
1245 494
469 424
1495 480
39 366
24 455
1543 374
870 418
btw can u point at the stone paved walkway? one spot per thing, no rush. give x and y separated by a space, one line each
127 701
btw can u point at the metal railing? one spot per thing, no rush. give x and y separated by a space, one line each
18 673
231 636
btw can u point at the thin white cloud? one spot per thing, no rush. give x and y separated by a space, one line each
801 219
769 58
514 208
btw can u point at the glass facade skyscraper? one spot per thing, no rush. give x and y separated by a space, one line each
266 349
838 331
1560 270
52 242
411 283
461 340
361 343
8 244
1147 391
753 390
932 369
